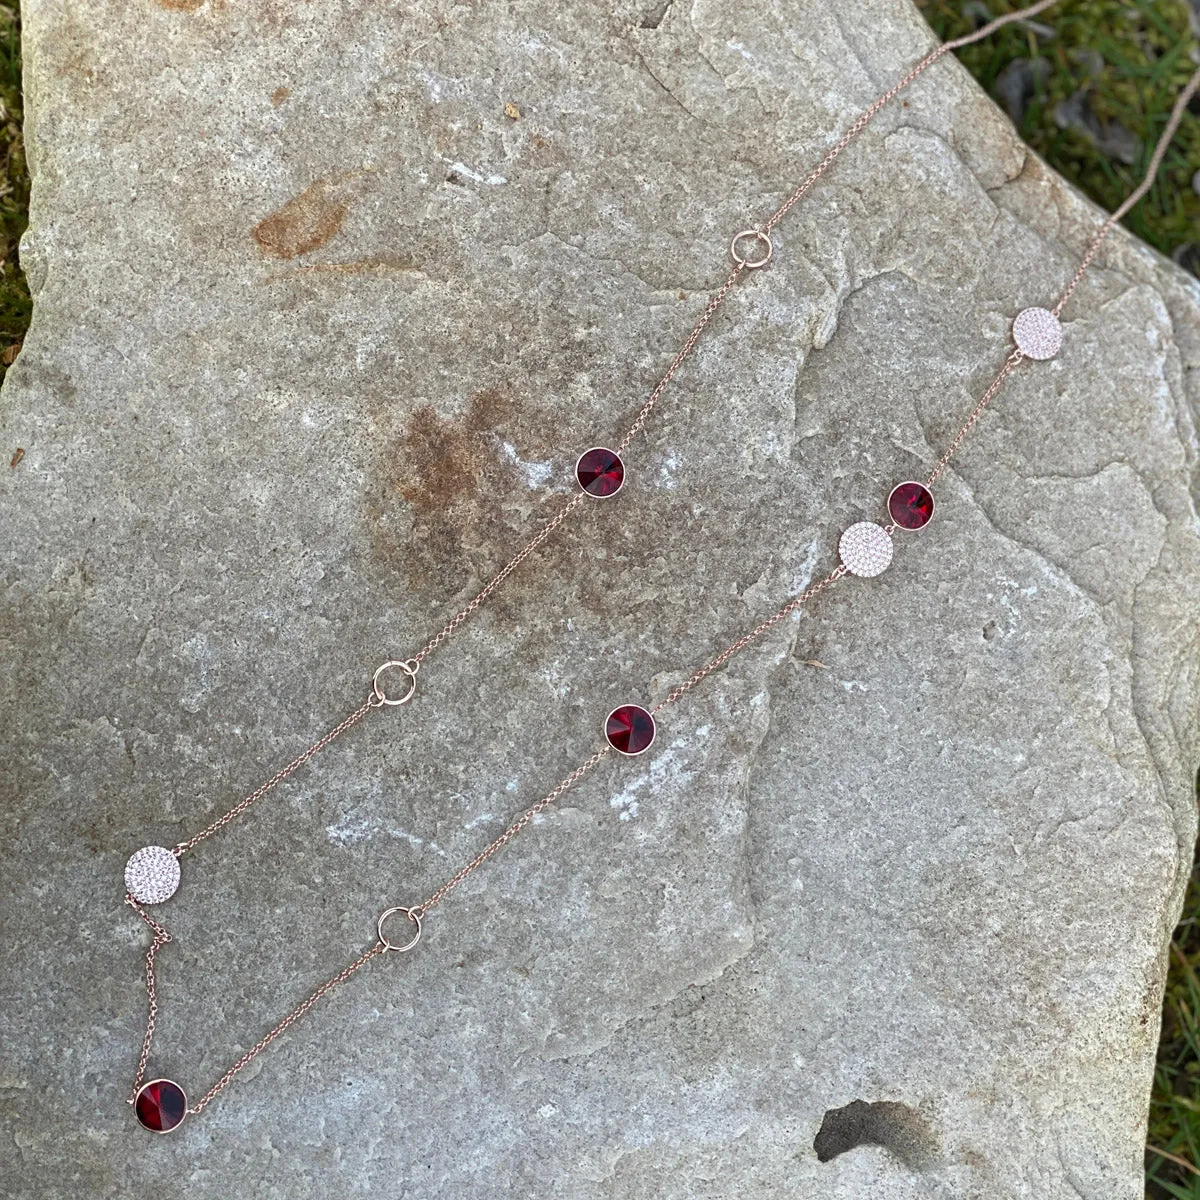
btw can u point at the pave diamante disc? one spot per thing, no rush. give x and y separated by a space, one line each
1037 333
866 549
152 875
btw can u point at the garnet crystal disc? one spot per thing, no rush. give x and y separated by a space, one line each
629 729
600 472
160 1105
910 505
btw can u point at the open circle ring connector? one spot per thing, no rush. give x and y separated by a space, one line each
751 264
414 918
410 668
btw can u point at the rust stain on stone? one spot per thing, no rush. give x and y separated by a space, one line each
308 220
180 5
279 95
448 462
449 475
378 264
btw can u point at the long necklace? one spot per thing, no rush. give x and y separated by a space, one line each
152 874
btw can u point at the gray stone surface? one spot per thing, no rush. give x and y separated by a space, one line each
319 331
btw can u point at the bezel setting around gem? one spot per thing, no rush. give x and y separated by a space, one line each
160 1105
630 729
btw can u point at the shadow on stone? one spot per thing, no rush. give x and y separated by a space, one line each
904 1131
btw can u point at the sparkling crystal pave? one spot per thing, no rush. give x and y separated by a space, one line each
1037 333
600 472
629 729
160 1105
865 549
910 505
152 875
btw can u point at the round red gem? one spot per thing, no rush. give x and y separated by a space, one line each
600 472
160 1105
629 729
910 505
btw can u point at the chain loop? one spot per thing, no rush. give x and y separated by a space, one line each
379 697
414 918
410 667
751 264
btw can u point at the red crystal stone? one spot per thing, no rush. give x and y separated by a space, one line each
160 1105
600 472
910 505
629 729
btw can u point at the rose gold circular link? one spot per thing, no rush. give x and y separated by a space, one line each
414 918
751 264
410 668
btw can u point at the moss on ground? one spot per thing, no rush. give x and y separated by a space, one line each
15 304
1122 62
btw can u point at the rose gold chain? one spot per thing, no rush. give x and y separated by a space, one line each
448 630
160 936
279 776
714 303
1160 150
511 832
737 647
869 113
292 1017
1010 364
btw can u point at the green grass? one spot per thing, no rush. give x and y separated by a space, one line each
1143 50
1133 56
1175 1102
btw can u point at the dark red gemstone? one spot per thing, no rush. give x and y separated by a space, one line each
160 1105
910 505
629 729
600 472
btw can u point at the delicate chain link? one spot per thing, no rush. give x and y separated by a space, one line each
279 776
737 647
1010 364
511 832
160 937
715 302
869 113
292 1017
448 630
1160 150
